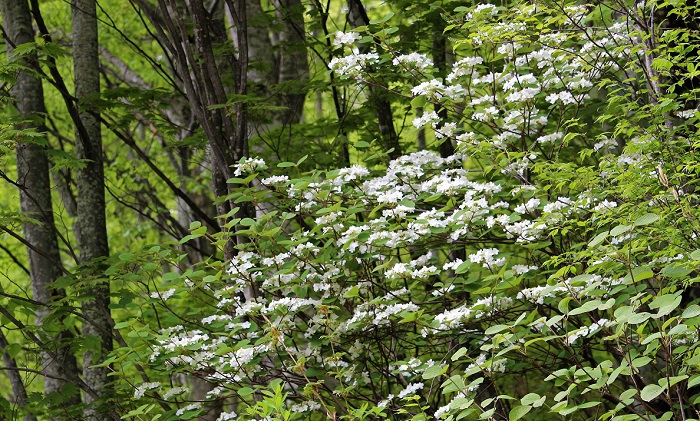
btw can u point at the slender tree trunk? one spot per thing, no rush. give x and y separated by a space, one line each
293 65
440 60
420 136
35 202
92 231
357 16
18 389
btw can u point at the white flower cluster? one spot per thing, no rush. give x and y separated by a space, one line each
411 389
587 330
189 407
345 38
353 66
486 258
306 406
275 179
225 416
413 61
175 391
163 295
482 308
140 391
249 165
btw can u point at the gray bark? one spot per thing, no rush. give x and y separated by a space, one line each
35 201
278 67
18 389
92 231
292 59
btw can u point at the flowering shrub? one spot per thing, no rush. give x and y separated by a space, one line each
544 271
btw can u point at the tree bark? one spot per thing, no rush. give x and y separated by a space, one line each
92 228
440 60
58 363
293 66
357 16
18 389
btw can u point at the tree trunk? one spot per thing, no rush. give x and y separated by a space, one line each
18 389
92 231
440 60
357 16
35 202
293 66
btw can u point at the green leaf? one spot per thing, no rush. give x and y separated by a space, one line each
651 391
12 350
434 371
529 398
586 307
495 329
361 144
639 273
598 239
620 229
519 412
460 352
245 391
638 318
694 381
692 310
640 361
352 292
677 270
647 219
419 101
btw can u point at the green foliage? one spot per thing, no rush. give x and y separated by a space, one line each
547 270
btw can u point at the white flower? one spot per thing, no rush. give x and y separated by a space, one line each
686 113
385 402
189 407
557 205
175 391
486 258
275 179
416 61
352 173
411 389
605 143
447 130
431 88
565 97
522 269
523 95
141 390
528 207
163 295
306 406
227 416
344 38
553 137
586 330
605 205
248 165
353 65
430 117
